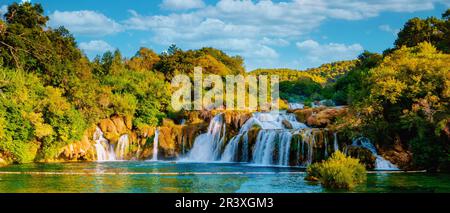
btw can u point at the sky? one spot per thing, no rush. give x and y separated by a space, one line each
295 34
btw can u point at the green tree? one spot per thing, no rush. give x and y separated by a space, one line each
432 30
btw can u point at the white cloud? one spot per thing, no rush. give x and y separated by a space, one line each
96 46
389 29
281 22
275 42
251 28
182 4
85 22
316 54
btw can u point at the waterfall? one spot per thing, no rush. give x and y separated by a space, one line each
266 151
284 149
272 145
335 143
155 146
308 139
380 163
325 140
293 106
101 152
231 150
273 141
265 144
208 146
122 147
105 151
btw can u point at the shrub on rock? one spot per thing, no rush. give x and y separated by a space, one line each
338 172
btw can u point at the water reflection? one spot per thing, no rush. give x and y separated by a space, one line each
192 177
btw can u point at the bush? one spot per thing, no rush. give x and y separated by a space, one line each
339 171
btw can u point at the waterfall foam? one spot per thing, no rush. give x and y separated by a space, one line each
105 151
155 146
273 137
208 146
335 142
122 147
380 163
293 106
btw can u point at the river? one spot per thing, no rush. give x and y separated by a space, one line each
157 176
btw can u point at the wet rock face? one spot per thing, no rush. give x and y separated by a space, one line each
365 156
81 150
397 154
174 139
287 124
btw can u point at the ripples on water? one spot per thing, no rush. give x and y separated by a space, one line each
137 176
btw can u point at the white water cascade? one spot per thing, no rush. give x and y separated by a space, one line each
335 143
155 146
294 106
273 136
209 146
308 141
105 151
380 163
122 147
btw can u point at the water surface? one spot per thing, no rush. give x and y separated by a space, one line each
142 177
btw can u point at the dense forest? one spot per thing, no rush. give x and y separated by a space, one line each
50 92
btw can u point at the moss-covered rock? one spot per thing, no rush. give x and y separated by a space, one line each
397 154
365 156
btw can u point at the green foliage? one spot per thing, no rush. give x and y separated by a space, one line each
26 43
351 87
408 98
33 115
338 172
289 75
309 85
144 59
213 61
144 95
431 30
300 90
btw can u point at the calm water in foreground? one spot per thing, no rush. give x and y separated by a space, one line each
193 177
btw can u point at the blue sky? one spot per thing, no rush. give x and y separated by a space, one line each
294 34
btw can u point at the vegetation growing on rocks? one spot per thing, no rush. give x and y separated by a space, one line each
338 172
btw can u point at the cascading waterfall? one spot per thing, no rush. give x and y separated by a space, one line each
105 151
284 148
273 137
380 163
335 143
155 146
308 139
122 147
274 143
208 146
325 139
294 106
265 145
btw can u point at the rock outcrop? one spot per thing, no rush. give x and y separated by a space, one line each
319 117
175 137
